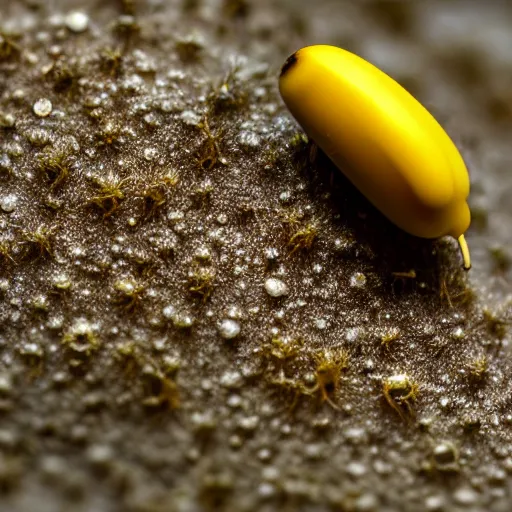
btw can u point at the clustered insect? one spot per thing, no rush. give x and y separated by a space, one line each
289 356
399 391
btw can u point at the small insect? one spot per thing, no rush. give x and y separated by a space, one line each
388 145
330 364
398 391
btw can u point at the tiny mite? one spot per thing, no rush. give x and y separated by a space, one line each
388 145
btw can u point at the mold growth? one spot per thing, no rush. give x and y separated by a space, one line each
197 308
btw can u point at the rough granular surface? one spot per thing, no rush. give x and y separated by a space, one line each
198 312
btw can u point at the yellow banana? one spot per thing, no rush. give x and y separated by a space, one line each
388 145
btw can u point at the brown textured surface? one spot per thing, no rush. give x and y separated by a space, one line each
133 216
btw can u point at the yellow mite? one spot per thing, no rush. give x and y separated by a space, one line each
388 145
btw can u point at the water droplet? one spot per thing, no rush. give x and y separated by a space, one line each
8 203
169 312
276 287
203 253
465 496
366 503
175 216
150 154
77 21
234 401
7 120
61 282
458 333
229 329
435 503
445 454
266 490
320 323
43 107
249 423
356 469
352 334
264 454
285 196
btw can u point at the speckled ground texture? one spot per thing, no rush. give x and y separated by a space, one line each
197 313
